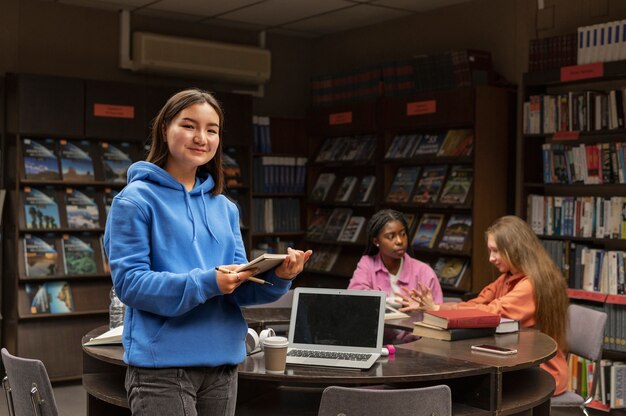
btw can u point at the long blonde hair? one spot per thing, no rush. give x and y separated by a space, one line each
521 248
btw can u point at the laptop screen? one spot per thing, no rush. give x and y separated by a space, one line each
337 319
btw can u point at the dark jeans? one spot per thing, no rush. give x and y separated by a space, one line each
190 391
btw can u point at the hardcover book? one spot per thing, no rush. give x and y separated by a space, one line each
60 296
315 229
402 185
422 329
429 185
40 159
345 189
41 257
450 270
81 208
38 298
76 161
461 318
109 194
337 221
458 185
41 210
116 159
322 186
455 235
364 190
457 143
427 230
78 255
429 145
352 230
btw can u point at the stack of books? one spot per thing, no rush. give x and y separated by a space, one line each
455 324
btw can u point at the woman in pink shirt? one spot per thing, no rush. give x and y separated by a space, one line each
530 289
387 266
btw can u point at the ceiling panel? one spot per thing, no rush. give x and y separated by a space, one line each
108 5
205 8
347 19
417 6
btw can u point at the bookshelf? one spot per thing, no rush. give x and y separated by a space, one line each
279 175
572 189
96 116
485 111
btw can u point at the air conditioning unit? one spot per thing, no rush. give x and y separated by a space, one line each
195 57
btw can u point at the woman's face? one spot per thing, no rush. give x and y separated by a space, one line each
392 240
192 138
495 257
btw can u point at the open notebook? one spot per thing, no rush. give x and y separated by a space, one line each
336 327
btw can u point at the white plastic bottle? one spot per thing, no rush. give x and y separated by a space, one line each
116 311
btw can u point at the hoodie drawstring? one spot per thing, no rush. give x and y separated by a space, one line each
190 213
206 217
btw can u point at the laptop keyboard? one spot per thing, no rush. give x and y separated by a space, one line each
332 355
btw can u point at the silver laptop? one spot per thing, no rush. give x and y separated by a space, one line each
336 327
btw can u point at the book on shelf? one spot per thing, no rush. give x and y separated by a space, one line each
427 230
458 142
461 318
79 254
507 326
402 185
322 186
50 297
425 330
323 258
262 263
40 159
618 385
393 313
429 184
107 198
344 192
429 145
317 225
403 146
455 235
352 229
111 337
232 170
116 159
81 208
450 270
40 208
457 187
364 190
410 221
76 160
41 255
336 222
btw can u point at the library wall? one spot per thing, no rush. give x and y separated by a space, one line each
42 37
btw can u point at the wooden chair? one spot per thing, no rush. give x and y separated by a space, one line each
585 336
424 401
28 387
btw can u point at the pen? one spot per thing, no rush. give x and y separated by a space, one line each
253 279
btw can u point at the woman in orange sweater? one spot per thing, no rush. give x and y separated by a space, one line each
530 289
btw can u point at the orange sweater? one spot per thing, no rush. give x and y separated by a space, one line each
512 297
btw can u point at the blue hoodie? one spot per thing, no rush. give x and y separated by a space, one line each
163 244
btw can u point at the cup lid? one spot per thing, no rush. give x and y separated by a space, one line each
274 342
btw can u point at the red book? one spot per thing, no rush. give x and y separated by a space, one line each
462 318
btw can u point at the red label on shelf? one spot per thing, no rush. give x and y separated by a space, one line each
583 294
340 118
114 111
576 72
566 135
421 107
619 299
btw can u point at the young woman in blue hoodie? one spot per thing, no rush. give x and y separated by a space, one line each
166 233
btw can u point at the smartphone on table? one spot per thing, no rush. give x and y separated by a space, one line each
494 349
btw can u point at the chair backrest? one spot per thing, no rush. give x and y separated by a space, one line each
424 401
29 385
585 331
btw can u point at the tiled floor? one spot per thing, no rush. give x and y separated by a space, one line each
71 400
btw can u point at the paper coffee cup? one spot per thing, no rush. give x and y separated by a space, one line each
275 349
